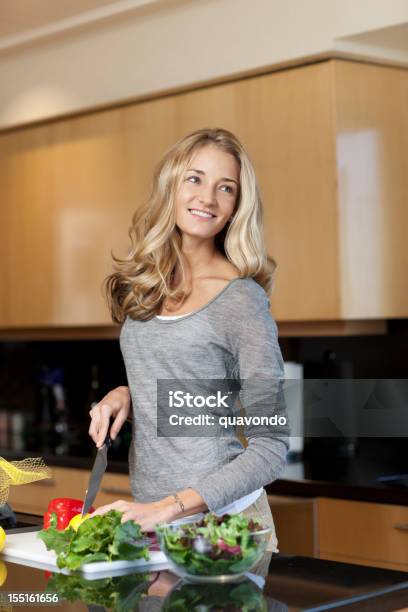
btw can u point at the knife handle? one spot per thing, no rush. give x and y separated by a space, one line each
108 441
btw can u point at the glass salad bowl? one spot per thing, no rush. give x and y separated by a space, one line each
216 549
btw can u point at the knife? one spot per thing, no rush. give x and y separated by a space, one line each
98 470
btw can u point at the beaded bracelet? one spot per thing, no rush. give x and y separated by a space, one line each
179 502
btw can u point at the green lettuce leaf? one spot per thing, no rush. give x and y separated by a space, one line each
121 594
99 538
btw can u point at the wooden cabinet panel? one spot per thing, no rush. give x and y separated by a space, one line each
376 533
285 121
328 142
113 488
34 497
295 523
371 106
72 186
68 193
66 482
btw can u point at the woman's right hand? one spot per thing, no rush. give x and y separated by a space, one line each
116 405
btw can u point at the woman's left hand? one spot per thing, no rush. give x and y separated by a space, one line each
147 515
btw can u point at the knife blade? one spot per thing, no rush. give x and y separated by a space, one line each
98 470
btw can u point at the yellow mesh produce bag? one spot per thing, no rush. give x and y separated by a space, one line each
20 472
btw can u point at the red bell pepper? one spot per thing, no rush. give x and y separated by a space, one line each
65 508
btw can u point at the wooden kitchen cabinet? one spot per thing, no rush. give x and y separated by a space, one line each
328 141
363 533
33 498
295 524
114 487
357 532
68 193
67 482
329 144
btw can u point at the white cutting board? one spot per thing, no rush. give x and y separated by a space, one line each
28 549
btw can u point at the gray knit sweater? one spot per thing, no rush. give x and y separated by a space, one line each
233 337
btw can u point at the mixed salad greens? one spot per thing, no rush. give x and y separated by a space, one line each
120 594
215 545
242 597
99 538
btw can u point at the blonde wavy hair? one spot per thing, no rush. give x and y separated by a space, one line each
144 279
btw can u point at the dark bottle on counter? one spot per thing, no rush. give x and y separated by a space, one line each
92 397
45 410
60 403
52 411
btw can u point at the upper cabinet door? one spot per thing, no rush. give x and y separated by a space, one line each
371 112
328 142
285 121
69 190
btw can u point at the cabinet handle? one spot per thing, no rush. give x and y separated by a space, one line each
116 491
401 526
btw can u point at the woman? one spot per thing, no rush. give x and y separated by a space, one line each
192 300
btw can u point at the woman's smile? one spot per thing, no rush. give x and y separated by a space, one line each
201 215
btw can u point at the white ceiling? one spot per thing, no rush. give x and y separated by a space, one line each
25 21
393 37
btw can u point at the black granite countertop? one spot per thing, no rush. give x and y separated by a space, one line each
293 583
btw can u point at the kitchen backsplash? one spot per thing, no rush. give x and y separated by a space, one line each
50 385
46 390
